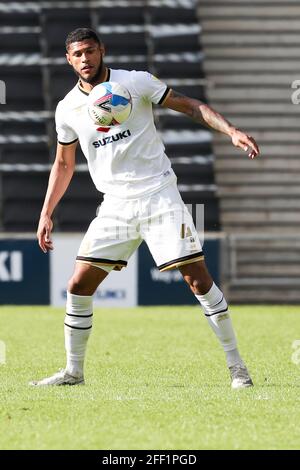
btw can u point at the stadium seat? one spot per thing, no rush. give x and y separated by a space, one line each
177 121
192 173
24 153
62 81
24 87
16 43
123 15
24 185
76 217
21 216
19 18
23 195
176 43
210 204
169 69
82 188
190 149
124 43
163 14
57 23
22 127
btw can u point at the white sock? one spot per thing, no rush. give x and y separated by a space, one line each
233 357
78 327
215 309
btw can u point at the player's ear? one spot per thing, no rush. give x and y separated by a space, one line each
102 49
68 58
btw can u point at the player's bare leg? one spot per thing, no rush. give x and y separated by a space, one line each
78 324
86 278
215 310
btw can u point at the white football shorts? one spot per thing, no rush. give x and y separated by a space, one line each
161 219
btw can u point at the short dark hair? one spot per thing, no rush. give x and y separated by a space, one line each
80 34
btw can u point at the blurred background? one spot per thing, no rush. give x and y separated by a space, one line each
242 58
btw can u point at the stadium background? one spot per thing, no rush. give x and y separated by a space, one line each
242 58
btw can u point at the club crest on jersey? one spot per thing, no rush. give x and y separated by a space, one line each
111 138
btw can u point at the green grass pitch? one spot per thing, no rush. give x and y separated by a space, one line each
155 379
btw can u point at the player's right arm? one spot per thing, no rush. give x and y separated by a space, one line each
59 180
204 114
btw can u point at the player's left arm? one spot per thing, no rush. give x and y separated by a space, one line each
203 113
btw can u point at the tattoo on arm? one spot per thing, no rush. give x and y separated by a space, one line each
200 112
176 95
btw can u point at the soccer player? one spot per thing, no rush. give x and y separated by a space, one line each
141 200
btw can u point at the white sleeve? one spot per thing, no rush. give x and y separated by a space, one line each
150 87
65 134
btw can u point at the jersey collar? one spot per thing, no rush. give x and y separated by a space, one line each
80 87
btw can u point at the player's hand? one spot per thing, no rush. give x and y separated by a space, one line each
44 233
245 142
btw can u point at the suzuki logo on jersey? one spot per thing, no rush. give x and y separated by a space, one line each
111 138
11 266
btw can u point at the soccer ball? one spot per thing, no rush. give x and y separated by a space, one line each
109 104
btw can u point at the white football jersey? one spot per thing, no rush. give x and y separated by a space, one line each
129 160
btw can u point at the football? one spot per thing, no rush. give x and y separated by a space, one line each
109 104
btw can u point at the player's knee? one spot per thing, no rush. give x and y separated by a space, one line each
77 286
197 277
198 285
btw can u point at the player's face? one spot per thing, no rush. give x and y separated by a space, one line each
86 58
